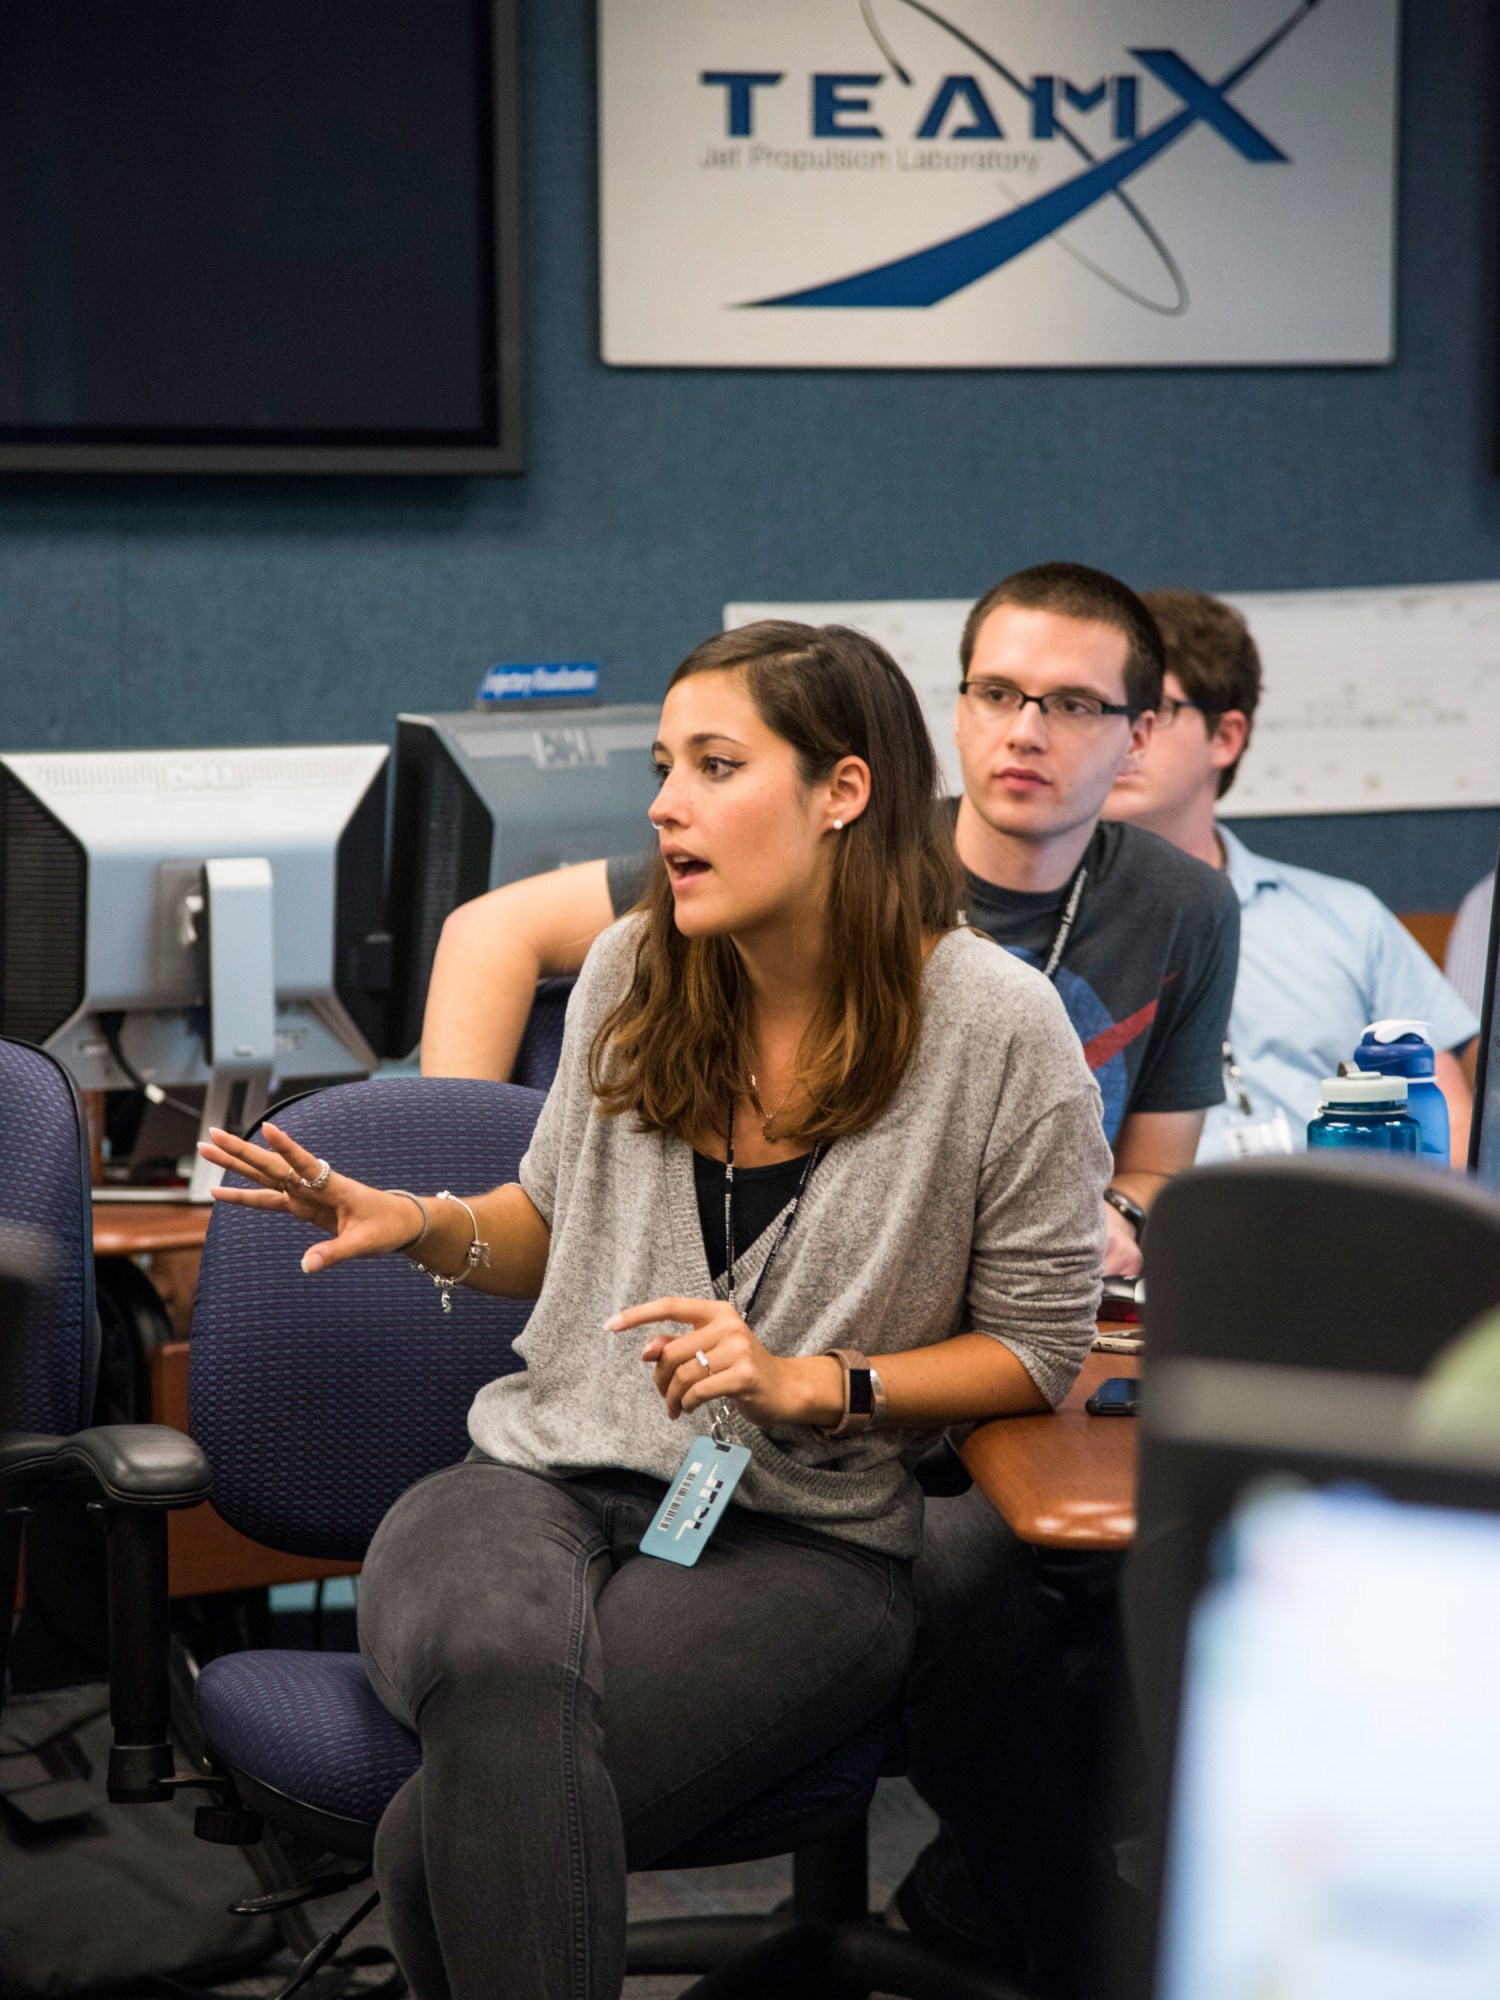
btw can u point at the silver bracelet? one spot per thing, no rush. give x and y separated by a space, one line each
477 1253
425 1212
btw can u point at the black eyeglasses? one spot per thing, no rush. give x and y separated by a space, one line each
1170 707
1066 706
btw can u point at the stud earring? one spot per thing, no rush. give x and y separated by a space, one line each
838 826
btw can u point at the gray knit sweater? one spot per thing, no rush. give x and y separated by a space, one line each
971 1205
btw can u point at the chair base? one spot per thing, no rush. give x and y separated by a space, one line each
667 1945
844 1962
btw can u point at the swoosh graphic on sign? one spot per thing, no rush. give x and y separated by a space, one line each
1107 1044
926 277
1065 132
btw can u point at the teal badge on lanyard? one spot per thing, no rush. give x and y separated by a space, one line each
695 1500
698 1496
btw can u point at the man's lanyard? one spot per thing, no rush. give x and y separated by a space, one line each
789 1216
1235 1083
1066 922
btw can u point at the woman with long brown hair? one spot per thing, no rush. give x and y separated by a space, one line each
839 1161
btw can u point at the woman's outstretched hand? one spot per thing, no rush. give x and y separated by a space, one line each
768 1388
362 1221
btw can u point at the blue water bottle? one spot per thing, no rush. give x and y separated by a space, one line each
1401 1048
1368 1112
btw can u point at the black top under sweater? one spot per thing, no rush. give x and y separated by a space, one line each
760 1194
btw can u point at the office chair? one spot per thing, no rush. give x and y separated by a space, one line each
25 1266
319 1403
132 1473
541 1043
1320 1264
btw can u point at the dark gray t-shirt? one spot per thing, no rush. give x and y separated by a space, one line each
1148 975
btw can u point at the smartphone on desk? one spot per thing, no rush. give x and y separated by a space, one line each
1117 1397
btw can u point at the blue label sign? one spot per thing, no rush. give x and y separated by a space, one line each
563 679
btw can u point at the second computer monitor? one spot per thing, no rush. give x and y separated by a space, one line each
482 799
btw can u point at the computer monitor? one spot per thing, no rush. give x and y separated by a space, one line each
1484 1133
196 918
1335 1802
484 798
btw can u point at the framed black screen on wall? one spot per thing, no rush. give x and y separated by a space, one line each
259 236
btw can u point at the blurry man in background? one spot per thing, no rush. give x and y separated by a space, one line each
1320 958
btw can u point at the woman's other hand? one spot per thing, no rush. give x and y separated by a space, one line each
362 1221
768 1388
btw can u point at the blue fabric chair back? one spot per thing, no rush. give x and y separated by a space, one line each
44 1185
320 1400
541 1045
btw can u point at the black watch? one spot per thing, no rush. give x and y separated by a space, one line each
1132 1211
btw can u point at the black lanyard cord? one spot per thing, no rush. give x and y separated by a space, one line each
789 1216
1066 921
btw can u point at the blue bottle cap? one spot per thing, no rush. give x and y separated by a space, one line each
1398 1047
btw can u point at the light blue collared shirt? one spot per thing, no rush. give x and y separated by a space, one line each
1320 959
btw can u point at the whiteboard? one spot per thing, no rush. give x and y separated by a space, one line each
1374 700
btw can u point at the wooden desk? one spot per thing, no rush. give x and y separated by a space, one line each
165 1239
140 1228
1064 1481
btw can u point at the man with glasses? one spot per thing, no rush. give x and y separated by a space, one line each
1061 680
1320 958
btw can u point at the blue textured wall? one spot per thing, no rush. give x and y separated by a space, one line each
147 612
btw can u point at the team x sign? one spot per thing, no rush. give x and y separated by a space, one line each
997 183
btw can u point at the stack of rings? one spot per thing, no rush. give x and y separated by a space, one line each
317 1181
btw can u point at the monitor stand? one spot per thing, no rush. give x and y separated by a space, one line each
241 1039
226 915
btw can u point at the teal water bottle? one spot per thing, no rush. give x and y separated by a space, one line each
1401 1048
1367 1112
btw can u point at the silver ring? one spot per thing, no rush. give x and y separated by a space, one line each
319 1180
703 1362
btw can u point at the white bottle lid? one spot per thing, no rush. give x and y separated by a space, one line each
1366 1088
1393 1030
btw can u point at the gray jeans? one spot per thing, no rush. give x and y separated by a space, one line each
584 1709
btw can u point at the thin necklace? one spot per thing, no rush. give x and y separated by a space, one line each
768 1118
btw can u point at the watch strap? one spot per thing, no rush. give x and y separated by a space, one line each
1132 1211
864 1394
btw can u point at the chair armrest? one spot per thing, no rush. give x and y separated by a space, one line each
137 1465
139 1472
27 1460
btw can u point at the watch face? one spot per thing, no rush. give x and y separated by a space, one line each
861 1395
